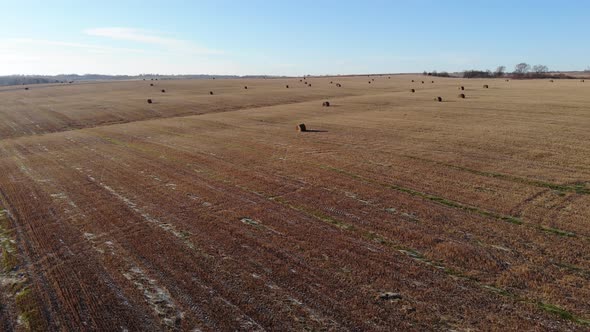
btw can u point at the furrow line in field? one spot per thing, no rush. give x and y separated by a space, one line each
457 205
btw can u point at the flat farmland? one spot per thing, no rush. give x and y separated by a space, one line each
211 212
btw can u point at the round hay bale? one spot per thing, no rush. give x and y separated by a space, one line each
163 91
369 82
26 88
412 81
301 127
211 93
412 90
300 80
582 81
461 88
551 81
507 80
432 82
422 82
326 104
151 84
339 85
372 79
461 95
309 85
287 86
331 82
389 77
246 87
149 101
485 86
439 99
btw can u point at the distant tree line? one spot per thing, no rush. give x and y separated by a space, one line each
499 72
521 70
435 73
20 80
70 78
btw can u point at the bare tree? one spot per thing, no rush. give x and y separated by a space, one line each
522 68
500 71
540 69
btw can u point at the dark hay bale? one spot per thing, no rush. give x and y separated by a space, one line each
461 95
461 88
372 79
551 81
26 88
369 82
287 86
246 87
439 99
326 104
582 81
300 80
389 77
211 93
331 82
305 82
144 79
422 82
485 86
301 127
163 91
151 84
507 80
309 85
432 82
412 81
412 90
339 85
149 101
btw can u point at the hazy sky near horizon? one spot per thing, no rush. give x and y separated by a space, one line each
289 37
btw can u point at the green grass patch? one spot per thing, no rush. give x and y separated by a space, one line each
547 307
114 141
557 231
28 313
499 291
557 310
578 188
9 258
433 198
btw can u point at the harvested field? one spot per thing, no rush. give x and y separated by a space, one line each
211 212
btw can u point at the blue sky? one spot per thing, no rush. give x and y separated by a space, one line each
289 37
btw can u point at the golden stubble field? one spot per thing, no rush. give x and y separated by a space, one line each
211 212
